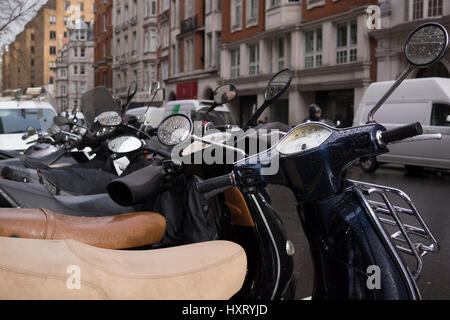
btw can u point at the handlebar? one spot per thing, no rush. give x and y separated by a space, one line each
408 131
212 184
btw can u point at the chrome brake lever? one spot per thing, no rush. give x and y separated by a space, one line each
423 137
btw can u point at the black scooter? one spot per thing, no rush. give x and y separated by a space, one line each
355 252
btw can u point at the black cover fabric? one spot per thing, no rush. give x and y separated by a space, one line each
136 187
189 216
78 180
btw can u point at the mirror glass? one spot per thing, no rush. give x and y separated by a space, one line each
448 118
225 93
426 44
132 89
174 129
278 84
31 131
109 118
124 144
155 87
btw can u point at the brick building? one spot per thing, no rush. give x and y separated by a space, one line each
35 49
103 34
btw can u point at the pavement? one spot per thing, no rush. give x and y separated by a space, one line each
429 191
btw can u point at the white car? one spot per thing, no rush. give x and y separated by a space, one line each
17 115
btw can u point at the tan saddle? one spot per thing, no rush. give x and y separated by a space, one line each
68 269
113 232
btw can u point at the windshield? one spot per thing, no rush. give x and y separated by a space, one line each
17 120
218 118
96 101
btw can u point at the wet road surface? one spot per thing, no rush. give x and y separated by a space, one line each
430 192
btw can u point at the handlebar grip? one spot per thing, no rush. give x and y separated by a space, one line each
216 183
408 131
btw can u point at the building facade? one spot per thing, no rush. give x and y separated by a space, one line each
35 49
399 18
103 34
135 47
74 67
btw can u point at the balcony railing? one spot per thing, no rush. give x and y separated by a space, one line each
188 24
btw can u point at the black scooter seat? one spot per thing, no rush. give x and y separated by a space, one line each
42 162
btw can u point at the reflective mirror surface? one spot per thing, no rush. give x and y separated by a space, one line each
124 144
109 118
278 84
225 93
174 129
426 44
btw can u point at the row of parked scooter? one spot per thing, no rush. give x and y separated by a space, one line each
131 207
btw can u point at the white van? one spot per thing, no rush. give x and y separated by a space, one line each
220 116
17 115
425 100
153 116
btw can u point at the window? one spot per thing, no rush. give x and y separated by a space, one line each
66 5
134 44
153 39
189 55
82 52
82 87
219 48
118 18
118 48
52 50
147 41
173 54
81 5
347 38
75 69
52 35
105 78
149 75
82 35
173 14
104 49
165 70
32 49
235 63
189 8
421 9
63 90
270 54
313 48
164 5
274 3
104 22
51 80
126 14
134 8
209 47
32 36
75 52
236 14
75 87
280 54
253 59
63 73
65 20
440 115
52 19
252 10
82 69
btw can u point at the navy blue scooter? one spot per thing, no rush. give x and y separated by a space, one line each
360 247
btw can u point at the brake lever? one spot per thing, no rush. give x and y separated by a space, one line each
422 137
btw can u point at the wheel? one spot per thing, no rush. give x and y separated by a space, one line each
414 170
369 164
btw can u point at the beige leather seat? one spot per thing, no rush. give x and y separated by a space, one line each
115 232
37 269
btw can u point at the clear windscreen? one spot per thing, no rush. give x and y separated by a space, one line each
96 101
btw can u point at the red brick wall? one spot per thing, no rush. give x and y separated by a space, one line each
331 8
227 35
101 37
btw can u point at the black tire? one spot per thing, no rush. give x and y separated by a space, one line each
369 164
414 170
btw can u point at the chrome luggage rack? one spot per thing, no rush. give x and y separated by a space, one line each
401 239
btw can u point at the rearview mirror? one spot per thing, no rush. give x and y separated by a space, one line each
225 94
154 87
278 85
109 118
124 144
426 45
175 129
448 118
54 129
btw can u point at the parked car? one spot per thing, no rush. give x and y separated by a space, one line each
425 100
17 115
195 109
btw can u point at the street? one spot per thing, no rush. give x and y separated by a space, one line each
430 192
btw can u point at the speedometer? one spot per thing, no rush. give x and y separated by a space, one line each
304 138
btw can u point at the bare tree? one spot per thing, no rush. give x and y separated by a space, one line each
14 14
